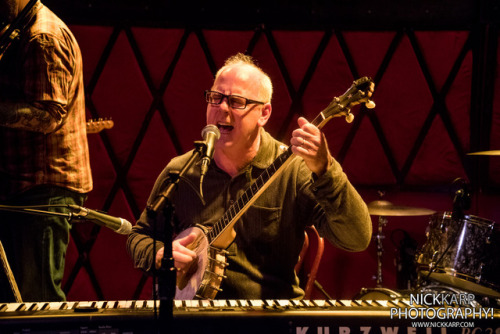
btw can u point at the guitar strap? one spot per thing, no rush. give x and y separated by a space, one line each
17 27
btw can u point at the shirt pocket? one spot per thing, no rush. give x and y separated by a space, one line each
260 224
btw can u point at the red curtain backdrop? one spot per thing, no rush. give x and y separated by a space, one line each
408 150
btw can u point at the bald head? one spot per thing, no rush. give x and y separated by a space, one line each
246 62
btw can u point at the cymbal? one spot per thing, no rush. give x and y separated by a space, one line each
385 208
495 152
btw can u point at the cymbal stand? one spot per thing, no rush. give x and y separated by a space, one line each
382 222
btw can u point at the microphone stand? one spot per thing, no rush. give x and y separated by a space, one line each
33 211
167 274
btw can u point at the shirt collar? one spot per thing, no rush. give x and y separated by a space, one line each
267 150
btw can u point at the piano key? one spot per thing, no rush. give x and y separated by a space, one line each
111 304
191 303
283 302
383 303
44 306
358 303
70 305
34 307
26 306
127 304
344 302
307 303
320 302
219 303
54 306
233 303
271 303
12 307
205 303
243 303
256 303
407 303
85 304
366 302
333 302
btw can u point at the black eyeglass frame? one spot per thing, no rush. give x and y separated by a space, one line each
228 97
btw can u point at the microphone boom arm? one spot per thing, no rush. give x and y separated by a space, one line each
119 225
31 210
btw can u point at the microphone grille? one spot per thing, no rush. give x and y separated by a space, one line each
210 128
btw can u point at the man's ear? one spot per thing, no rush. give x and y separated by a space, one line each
265 114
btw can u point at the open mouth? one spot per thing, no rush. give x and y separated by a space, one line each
224 128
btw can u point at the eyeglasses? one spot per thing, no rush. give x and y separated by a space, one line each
234 101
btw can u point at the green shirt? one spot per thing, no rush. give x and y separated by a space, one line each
269 236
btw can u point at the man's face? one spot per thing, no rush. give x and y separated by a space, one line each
238 127
8 12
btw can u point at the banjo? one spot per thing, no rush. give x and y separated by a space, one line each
203 279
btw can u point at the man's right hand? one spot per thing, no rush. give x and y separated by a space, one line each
183 257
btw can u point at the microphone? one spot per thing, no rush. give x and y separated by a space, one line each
119 225
210 134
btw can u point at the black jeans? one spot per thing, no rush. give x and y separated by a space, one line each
36 245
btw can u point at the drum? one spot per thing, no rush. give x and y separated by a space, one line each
463 254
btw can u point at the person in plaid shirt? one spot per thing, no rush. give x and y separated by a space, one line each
43 147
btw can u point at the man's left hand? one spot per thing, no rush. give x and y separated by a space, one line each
309 143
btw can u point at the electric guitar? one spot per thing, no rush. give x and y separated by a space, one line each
205 276
96 126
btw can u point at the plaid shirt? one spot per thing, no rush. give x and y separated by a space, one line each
44 69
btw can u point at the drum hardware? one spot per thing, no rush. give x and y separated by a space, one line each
382 222
383 209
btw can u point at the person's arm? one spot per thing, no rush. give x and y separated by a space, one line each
340 215
48 71
140 243
25 116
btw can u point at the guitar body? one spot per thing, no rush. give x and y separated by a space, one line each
203 279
